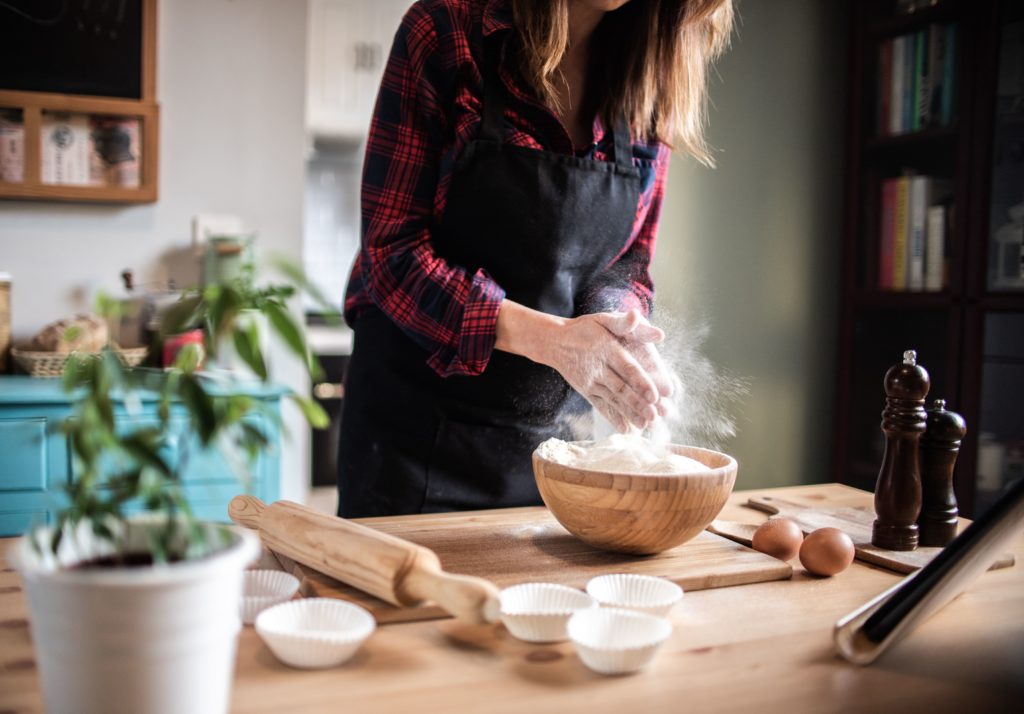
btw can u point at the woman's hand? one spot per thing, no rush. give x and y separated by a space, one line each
610 358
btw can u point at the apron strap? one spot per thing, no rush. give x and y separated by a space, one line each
623 144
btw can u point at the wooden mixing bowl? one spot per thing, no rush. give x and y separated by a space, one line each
636 513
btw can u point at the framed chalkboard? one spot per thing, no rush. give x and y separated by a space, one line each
82 47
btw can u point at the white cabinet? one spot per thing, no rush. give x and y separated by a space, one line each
348 46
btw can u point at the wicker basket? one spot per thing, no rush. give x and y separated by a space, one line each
51 364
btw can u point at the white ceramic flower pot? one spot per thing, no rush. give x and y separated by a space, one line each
142 639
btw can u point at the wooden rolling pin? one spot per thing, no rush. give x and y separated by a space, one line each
395 570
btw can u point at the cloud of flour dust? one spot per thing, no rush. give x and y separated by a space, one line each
705 399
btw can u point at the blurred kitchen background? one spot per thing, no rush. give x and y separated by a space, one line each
264 106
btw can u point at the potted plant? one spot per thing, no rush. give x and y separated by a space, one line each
133 601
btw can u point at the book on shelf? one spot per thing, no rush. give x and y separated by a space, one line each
935 249
90 150
900 225
884 88
12 146
919 193
887 236
896 85
948 55
913 233
916 80
64 145
907 97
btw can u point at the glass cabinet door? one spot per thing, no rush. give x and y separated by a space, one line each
1006 216
1001 419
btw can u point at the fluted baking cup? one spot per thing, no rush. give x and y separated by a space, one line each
315 632
615 641
537 612
642 593
265 588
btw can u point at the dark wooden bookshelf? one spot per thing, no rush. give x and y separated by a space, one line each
953 329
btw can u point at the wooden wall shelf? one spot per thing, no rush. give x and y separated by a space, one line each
33 106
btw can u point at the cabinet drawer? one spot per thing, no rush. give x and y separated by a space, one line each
23 445
16 523
204 466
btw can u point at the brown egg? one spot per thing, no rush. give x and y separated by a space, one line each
827 551
779 538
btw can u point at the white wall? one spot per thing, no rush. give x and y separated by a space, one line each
230 81
752 246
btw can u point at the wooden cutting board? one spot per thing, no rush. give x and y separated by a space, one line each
520 545
855 522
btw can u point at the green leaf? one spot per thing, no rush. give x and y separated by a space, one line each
200 407
285 326
188 358
71 333
144 446
181 316
108 307
247 344
225 304
297 276
76 371
313 412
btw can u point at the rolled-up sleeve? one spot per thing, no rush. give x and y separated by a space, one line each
449 311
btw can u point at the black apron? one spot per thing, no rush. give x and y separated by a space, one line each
544 225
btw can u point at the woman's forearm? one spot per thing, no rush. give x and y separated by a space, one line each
602 356
526 332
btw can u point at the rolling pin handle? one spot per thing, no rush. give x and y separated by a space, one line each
246 511
471 599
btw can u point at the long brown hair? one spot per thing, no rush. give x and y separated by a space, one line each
650 58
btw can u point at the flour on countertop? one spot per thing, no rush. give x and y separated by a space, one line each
620 453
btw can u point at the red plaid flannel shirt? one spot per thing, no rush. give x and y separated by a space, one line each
428 108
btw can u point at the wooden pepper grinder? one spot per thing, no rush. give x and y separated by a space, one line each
898 491
939 448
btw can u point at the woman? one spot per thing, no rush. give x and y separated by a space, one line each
511 193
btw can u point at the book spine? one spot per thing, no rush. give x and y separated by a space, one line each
12 148
899 243
920 75
896 87
924 97
949 75
933 100
920 193
887 236
935 249
909 55
884 87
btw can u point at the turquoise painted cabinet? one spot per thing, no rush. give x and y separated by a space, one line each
35 461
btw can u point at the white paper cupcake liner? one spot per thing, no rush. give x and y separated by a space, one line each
314 632
641 593
265 588
614 641
538 612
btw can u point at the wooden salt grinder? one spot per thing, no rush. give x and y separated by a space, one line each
939 448
898 491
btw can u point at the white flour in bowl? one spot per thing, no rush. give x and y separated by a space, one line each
620 453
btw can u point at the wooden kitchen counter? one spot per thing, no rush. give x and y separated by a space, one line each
765 647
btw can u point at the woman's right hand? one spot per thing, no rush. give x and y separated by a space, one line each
610 358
